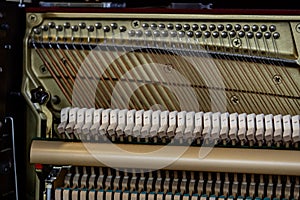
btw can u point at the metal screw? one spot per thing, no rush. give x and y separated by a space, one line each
234 99
32 18
135 24
298 28
236 42
277 79
43 69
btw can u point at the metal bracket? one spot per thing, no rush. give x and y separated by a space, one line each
54 174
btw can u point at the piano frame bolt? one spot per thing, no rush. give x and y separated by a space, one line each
43 69
277 79
237 42
135 24
298 28
32 18
234 99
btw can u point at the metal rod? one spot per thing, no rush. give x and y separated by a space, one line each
14 153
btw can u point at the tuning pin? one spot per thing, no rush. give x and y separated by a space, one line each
37 30
190 33
106 28
44 27
267 35
259 35
51 24
156 33
181 34
276 35
59 28
220 27
212 27
138 33
164 33
90 28
148 33
82 25
198 34
173 33
122 28
114 25
74 28
131 33
207 34
263 28
67 25
224 34
98 25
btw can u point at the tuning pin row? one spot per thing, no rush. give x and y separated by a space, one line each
77 27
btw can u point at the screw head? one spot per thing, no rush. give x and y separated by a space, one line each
32 18
277 79
237 42
135 23
43 69
298 28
